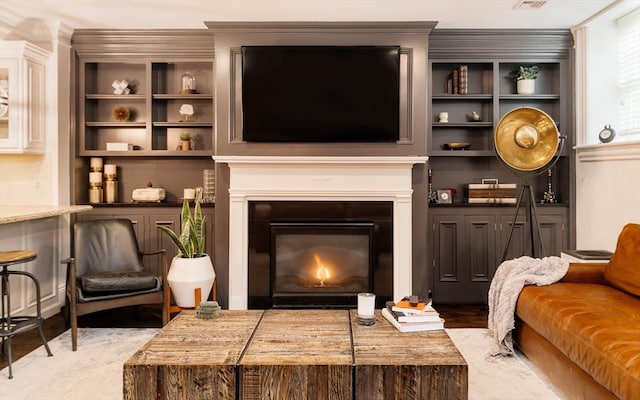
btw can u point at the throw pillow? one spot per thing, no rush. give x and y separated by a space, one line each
623 271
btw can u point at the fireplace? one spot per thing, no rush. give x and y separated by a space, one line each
320 264
325 180
319 253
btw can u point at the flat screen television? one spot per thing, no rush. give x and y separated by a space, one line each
320 93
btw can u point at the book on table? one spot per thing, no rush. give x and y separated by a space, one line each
402 314
412 326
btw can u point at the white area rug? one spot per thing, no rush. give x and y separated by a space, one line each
95 370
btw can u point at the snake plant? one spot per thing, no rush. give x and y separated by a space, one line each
190 242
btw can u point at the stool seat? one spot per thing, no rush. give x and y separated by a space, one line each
11 325
16 257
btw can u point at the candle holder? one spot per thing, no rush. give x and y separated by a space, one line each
366 308
432 195
549 196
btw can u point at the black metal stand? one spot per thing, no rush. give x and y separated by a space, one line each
532 219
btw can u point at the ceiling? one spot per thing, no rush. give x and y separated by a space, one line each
149 14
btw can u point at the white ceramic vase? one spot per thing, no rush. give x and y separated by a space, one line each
526 86
187 274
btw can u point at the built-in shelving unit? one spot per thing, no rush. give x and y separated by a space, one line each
467 240
153 63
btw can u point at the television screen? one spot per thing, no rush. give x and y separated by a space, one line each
320 93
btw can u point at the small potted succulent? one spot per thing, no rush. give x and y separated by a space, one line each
525 77
185 141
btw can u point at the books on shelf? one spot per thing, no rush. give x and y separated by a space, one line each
458 81
412 326
491 193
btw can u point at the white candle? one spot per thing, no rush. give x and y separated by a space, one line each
110 169
96 163
95 177
189 194
366 305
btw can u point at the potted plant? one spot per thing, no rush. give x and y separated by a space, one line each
185 141
191 268
525 77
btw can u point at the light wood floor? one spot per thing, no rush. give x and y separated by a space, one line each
456 316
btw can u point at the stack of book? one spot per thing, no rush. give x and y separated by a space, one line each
458 83
409 318
491 193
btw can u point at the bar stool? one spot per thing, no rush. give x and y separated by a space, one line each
12 325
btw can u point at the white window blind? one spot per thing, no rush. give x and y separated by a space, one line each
629 73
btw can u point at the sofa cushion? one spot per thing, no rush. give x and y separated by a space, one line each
594 325
623 271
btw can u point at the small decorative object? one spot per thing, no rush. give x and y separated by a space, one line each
457 145
432 195
607 134
549 196
95 187
187 112
208 310
187 83
366 308
475 117
192 267
185 141
209 185
121 114
121 87
96 164
525 78
189 194
445 196
443 117
110 184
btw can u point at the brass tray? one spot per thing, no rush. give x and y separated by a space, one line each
457 146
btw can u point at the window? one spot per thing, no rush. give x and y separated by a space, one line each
629 75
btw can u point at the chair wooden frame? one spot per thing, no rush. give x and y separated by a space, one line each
76 309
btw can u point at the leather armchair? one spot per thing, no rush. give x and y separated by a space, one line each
107 272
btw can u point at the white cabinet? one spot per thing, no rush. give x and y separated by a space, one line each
22 97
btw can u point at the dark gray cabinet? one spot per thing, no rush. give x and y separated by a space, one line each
468 244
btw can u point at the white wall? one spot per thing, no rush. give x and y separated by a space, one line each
607 175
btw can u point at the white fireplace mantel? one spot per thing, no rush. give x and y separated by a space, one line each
318 178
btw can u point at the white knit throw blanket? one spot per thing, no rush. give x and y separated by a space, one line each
508 281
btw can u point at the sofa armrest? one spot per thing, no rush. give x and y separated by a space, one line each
585 273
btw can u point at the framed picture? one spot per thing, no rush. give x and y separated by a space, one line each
445 196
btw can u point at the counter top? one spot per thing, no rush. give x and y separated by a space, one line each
18 213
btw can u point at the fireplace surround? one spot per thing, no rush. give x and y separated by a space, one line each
318 178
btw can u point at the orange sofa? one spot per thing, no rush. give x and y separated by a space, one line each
583 332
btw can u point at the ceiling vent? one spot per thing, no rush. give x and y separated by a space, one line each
529 4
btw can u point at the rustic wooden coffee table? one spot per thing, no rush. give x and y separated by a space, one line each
294 354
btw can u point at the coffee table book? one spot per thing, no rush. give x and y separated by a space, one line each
412 326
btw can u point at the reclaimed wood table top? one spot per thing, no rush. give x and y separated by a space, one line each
188 340
300 337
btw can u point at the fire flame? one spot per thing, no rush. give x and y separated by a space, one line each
322 272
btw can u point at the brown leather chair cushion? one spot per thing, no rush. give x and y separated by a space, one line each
118 282
623 271
596 326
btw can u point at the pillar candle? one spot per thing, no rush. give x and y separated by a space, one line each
109 169
366 305
95 177
96 164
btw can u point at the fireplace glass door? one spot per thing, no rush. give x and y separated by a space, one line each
320 264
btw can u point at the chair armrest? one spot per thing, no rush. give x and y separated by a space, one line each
150 253
585 273
67 260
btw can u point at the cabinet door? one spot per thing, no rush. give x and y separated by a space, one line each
520 243
553 234
159 240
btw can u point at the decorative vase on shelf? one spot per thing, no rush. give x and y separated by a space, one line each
526 86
